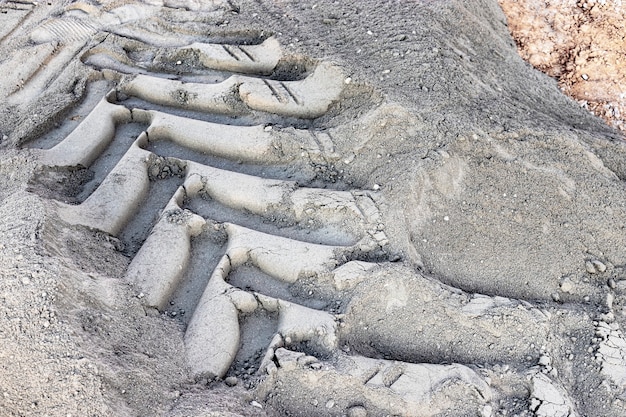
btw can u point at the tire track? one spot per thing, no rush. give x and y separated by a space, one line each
257 266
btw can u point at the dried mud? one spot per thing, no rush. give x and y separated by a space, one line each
440 233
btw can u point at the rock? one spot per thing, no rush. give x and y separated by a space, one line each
545 360
599 266
231 381
567 286
357 411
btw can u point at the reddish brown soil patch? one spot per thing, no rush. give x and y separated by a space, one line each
580 43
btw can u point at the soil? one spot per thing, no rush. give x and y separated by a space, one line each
486 245
579 43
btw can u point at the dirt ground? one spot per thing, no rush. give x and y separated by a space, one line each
456 246
581 44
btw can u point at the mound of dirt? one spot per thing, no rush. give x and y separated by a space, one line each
581 44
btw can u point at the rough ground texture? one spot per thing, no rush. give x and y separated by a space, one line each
581 44
501 289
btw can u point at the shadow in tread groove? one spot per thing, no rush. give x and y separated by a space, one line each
138 228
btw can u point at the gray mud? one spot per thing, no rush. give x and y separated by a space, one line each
503 202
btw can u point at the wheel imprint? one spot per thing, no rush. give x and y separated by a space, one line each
212 337
354 247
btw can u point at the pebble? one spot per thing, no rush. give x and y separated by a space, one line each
256 404
567 286
590 268
545 360
357 411
376 187
599 266
231 381
330 404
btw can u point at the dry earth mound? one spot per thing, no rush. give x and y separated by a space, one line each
581 44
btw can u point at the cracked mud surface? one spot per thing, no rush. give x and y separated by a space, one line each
301 208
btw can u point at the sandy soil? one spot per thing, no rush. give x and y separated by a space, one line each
440 233
581 44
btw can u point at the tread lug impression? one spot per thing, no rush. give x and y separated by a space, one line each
223 188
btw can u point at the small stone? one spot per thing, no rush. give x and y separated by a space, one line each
376 187
25 280
357 411
231 381
545 360
179 62
534 404
487 411
330 404
585 77
590 268
348 80
599 266
256 404
567 286
268 128
611 283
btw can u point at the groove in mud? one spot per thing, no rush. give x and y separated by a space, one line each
251 279
139 227
125 135
318 234
94 93
256 330
206 252
166 148
253 118
12 14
